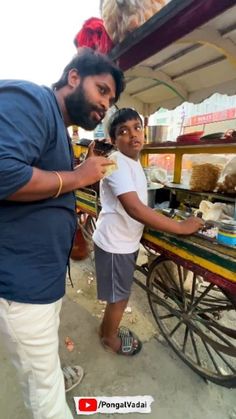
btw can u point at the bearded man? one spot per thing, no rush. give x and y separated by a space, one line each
37 214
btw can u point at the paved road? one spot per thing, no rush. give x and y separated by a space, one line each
177 391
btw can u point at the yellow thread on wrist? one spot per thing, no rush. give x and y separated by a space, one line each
60 184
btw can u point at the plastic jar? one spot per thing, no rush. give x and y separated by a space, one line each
227 233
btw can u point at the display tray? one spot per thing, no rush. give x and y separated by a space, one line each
212 240
183 215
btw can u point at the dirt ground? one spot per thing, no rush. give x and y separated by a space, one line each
178 392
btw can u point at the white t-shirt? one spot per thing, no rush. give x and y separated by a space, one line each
116 231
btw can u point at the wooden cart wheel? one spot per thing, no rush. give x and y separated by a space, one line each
196 318
87 225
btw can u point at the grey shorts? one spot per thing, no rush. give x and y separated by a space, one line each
114 273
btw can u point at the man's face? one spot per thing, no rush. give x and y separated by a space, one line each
87 104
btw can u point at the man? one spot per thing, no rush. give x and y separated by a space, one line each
37 217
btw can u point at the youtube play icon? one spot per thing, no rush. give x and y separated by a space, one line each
88 404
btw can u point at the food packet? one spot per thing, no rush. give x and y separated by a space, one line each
204 177
124 16
206 170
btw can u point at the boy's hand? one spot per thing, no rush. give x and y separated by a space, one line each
191 225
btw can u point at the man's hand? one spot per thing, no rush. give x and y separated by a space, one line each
92 170
90 152
44 184
99 148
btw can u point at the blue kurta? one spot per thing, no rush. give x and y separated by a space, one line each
35 237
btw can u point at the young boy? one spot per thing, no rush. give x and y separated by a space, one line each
120 226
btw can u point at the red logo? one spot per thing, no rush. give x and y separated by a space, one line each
88 405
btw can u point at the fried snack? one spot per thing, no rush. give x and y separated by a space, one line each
110 169
228 185
124 16
204 177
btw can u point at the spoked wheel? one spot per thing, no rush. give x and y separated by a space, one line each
196 318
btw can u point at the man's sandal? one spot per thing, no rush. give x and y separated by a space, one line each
72 376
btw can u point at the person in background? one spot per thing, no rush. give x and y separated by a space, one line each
120 226
38 219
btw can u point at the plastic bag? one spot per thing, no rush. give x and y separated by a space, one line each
204 177
227 182
93 35
211 211
124 16
206 170
158 175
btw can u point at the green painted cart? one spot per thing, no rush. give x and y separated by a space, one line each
191 288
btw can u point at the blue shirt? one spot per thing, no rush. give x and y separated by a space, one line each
35 237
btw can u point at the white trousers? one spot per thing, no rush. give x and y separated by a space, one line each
30 335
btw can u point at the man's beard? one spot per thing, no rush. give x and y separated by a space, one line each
79 109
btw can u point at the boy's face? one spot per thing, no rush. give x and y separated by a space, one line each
129 138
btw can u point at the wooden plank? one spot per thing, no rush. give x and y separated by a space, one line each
222 264
191 264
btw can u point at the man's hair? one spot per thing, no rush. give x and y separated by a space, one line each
119 117
89 62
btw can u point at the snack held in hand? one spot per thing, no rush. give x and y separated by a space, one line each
111 168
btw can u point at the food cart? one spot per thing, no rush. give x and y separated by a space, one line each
184 53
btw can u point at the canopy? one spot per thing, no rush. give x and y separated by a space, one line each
186 52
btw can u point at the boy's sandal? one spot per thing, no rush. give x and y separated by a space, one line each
124 331
72 376
130 344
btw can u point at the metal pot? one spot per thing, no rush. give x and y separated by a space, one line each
157 133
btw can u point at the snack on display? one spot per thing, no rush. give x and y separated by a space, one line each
204 177
124 16
209 233
227 182
228 185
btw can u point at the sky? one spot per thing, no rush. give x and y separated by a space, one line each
36 36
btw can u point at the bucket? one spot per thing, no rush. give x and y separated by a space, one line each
157 133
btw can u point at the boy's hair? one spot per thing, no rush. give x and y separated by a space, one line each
119 117
89 62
